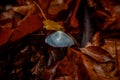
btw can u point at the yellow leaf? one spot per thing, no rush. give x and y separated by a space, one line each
51 25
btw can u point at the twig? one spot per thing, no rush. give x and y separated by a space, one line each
40 10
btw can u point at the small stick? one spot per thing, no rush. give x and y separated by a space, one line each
40 10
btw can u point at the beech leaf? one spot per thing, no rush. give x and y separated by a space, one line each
30 25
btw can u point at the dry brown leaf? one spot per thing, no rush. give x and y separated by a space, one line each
72 65
111 45
100 71
97 53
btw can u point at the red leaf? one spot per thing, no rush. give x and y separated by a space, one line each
31 24
5 35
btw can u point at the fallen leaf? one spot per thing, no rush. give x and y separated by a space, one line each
58 5
89 66
111 45
72 65
5 34
22 9
97 53
51 25
30 25
100 71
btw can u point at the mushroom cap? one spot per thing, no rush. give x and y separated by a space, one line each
59 39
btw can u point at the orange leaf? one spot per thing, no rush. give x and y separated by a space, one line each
28 26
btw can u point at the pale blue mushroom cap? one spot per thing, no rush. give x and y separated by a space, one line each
59 39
